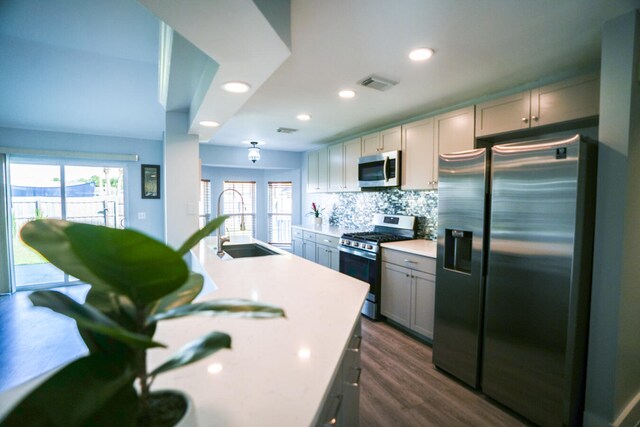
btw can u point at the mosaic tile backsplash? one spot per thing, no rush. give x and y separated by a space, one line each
355 210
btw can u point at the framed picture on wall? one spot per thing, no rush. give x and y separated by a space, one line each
150 181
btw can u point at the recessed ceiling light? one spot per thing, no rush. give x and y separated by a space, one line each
209 124
303 117
236 87
421 54
346 94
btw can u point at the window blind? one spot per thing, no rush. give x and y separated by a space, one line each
232 206
279 214
205 202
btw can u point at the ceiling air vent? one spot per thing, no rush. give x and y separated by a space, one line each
377 83
286 130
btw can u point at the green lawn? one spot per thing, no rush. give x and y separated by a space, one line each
24 255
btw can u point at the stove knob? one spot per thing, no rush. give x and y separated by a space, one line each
346 242
369 247
356 244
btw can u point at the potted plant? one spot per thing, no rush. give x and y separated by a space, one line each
317 213
136 282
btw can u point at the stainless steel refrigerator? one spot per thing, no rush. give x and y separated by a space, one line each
513 279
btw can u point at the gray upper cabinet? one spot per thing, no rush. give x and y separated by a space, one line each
343 166
455 131
419 155
380 142
424 140
571 99
317 171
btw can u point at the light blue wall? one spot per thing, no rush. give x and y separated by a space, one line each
149 152
217 176
213 155
230 163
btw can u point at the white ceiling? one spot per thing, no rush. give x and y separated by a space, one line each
78 66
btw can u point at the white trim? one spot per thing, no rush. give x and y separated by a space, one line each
164 63
7 285
123 157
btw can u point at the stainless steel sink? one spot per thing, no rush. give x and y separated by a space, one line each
247 250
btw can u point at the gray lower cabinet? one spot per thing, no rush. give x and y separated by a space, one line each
297 240
309 245
317 247
408 290
327 253
342 405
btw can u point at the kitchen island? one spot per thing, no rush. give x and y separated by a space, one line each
279 371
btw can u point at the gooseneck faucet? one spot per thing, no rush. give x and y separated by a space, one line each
223 239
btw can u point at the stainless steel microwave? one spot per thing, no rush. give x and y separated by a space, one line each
379 170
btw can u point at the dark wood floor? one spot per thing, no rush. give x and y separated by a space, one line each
401 387
34 340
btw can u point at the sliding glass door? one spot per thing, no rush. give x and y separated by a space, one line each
88 194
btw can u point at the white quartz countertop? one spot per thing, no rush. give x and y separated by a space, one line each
330 230
278 371
422 247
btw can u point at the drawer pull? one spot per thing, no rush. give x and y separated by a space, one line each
355 343
326 240
334 410
355 377
410 261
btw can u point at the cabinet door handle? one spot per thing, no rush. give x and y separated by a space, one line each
534 118
332 420
355 343
410 262
525 120
354 380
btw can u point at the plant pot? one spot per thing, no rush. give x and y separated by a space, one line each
317 221
183 413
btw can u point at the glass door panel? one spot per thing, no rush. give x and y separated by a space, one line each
87 194
36 192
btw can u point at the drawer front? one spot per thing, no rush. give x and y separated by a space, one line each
307 235
412 261
296 232
325 239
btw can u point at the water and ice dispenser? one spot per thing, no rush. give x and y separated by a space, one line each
457 250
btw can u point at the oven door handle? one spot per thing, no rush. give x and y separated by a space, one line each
358 252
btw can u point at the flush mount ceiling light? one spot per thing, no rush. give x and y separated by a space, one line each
254 152
236 87
421 54
209 124
303 117
347 93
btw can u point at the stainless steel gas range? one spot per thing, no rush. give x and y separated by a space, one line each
360 254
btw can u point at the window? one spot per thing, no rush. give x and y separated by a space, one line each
280 208
205 202
233 207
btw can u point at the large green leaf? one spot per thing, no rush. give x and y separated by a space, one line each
119 309
202 233
48 237
223 307
74 394
183 295
194 351
90 318
127 261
